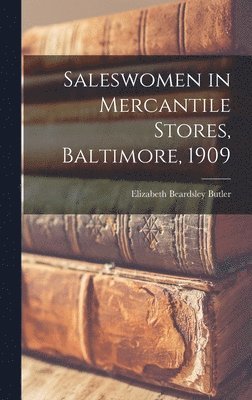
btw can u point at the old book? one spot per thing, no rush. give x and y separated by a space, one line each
169 331
42 377
177 243
188 27
66 195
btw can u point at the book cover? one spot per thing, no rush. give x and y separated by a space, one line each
137 225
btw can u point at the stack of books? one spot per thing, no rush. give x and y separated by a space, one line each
160 296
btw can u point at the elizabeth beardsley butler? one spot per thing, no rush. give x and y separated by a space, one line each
138 193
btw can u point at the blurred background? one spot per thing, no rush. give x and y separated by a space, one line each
37 12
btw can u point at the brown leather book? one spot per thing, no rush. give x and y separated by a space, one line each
169 331
173 243
187 27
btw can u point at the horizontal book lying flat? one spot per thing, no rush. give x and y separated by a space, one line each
42 376
176 243
188 27
169 331
62 195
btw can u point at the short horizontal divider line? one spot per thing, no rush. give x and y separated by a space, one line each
216 179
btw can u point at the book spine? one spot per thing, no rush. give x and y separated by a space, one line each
176 243
157 333
185 28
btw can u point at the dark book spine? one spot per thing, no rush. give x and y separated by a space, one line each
177 243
